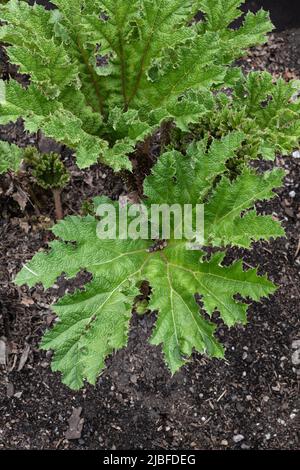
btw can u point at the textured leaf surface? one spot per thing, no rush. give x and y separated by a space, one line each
148 59
176 277
222 212
94 322
10 157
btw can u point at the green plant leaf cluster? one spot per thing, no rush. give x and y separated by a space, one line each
105 74
94 322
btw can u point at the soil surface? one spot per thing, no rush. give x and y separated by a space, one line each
248 401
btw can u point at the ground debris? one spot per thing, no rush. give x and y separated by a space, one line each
24 357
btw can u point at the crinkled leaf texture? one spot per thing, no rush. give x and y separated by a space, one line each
10 157
94 322
105 74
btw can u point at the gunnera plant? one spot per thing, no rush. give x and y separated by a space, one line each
121 69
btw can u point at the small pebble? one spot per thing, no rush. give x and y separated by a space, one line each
292 194
10 390
281 421
224 443
238 438
296 344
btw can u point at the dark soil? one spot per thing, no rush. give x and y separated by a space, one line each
251 400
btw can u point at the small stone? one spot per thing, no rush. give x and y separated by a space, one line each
268 436
2 352
134 379
276 388
296 154
238 438
292 194
296 358
293 415
296 344
224 443
245 447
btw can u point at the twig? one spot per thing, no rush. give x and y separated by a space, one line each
58 206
